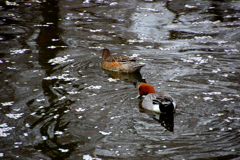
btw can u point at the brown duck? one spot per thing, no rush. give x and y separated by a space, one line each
120 63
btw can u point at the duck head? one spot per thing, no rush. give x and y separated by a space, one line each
105 54
144 89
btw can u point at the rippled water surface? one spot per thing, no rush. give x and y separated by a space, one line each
58 103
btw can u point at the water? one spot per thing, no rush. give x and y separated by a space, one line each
57 102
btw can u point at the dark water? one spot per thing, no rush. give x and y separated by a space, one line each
57 102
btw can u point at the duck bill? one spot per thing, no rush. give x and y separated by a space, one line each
138 96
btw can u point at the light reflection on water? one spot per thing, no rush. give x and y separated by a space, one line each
59 103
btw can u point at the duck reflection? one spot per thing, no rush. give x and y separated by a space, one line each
165 119
133 78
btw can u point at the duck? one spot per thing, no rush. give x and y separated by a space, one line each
159 102
120 63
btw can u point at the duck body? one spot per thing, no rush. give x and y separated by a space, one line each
160 102
119 63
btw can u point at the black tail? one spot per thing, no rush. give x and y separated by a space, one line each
166 107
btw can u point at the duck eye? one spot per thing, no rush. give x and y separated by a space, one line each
139 89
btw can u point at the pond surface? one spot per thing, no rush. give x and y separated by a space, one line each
58 103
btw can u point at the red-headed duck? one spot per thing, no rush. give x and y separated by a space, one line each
160 102
120 63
